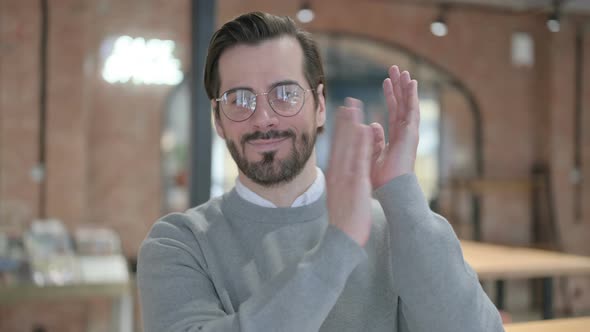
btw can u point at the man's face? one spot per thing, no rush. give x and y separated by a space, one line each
268 148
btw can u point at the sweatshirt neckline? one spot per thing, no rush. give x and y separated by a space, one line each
233 204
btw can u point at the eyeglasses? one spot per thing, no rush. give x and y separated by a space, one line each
285 99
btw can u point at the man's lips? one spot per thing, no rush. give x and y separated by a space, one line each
267 144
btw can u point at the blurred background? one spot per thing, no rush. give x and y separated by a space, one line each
101 133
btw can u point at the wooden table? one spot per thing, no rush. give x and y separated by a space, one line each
495 262
121 293
581 324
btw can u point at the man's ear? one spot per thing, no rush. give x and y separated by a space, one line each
217 120
320 114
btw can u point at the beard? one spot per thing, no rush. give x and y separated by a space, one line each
270 170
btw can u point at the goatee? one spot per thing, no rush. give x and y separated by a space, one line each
271 171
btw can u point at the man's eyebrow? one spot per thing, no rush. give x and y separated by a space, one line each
275 84
283 82
239 88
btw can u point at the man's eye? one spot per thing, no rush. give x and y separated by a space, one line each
285 92
242 98
238 101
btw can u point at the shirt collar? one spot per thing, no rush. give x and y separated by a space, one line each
312 194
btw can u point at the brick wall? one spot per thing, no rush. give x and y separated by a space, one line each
103 140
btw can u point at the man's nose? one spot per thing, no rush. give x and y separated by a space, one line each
264 116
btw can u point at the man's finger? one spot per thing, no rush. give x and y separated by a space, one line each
392 102
357 105
413 101
378 140
367 134
404 84
340 154
355 137
362 155
395 75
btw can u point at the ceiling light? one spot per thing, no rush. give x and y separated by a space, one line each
305 14
553 22
439 26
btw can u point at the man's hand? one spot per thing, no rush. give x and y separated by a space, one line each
397 156
348 177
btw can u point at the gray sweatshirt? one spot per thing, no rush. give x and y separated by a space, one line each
230 265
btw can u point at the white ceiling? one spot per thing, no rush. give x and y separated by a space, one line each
569 6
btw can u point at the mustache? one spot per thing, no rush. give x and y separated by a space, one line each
267 135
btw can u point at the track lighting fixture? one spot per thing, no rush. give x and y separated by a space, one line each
553 22
439 26
305 14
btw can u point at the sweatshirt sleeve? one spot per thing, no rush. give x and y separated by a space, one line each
438 290
177 293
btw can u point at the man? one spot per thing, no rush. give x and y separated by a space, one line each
286 249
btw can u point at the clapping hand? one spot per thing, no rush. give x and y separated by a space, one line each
397 156
361 160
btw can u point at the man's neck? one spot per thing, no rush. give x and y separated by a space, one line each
285 194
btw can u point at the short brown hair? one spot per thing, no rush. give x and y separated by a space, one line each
253 28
